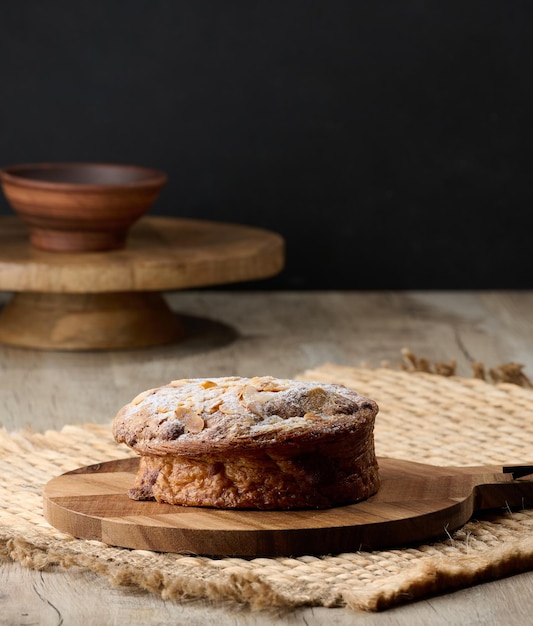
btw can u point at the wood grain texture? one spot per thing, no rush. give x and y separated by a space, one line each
107 300
416 503
277 333
93 321
162 254
244 333
53 597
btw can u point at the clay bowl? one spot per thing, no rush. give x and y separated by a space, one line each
80 207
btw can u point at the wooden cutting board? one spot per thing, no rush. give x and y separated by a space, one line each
415 503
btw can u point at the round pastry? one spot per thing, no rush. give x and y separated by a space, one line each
254 443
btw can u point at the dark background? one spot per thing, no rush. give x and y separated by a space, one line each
388 142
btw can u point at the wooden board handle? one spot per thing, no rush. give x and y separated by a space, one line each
415 503
514 494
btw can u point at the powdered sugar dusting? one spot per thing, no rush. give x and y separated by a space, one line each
233 407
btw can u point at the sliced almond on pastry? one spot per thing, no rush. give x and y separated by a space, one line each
192 421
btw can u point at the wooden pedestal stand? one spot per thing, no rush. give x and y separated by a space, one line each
111 300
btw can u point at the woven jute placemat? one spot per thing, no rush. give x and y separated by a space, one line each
443 420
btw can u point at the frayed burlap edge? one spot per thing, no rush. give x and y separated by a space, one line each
434 576
245 582
426 578
241 587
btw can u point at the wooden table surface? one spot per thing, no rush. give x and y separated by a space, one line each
248 333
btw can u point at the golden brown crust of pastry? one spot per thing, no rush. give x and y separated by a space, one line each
251 443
